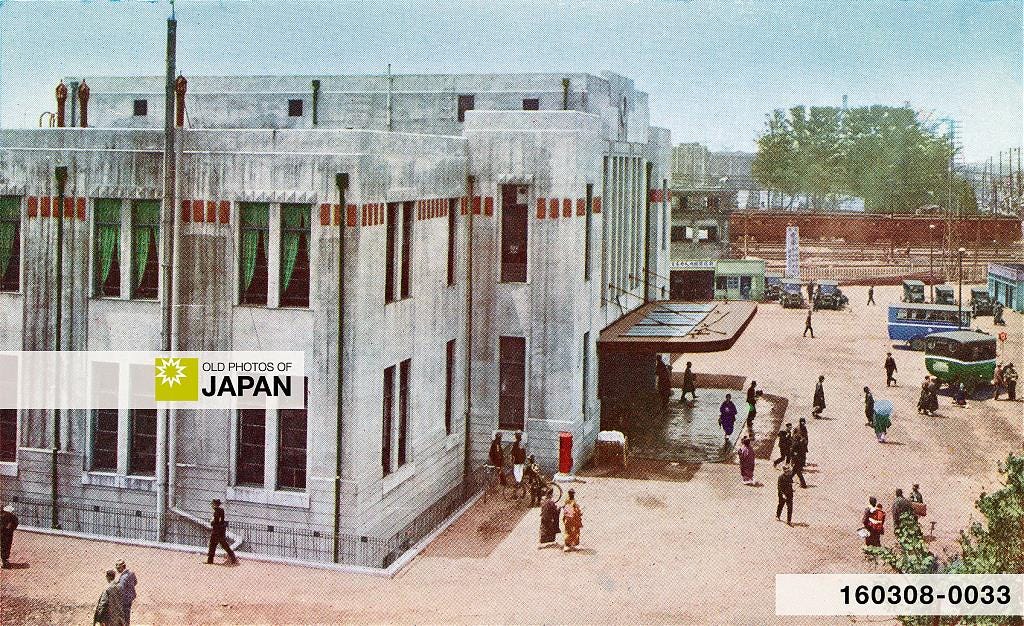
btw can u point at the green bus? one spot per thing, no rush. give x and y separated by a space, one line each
961 356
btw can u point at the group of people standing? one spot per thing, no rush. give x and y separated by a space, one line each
1005 380
572 519
928 400
904 510
114 607
793 456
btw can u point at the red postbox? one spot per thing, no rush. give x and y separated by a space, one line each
564 452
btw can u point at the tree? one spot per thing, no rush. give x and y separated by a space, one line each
993 547
886 155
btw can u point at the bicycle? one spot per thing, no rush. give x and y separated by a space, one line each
513 490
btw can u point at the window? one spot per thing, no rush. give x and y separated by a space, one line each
901 314
253 270
8 434
679 233
513 233
451 241
721 283
145 259
252 430
512 382
466 103
586 232
143 442
10 244
295 232
107 248
403 411
291 446
389 253
407 216
295 108
712 231
141 107
104 440
586 372
531 104
389 403
449 380
732 282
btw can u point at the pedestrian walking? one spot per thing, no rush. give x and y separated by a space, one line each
960 395
548 520
753 393
746 455
924 398
110 606
902 510
572 518
819 397
518 455
785 446
534 479
1010 377
873 521
802 429
8 524
881 422
890 369
689 383
219 534
727 416
998 383
933 397
915 494
871 294
799 458
496 455
785 492
126 580
807 325
869 407
663 373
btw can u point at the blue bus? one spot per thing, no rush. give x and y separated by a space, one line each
912 322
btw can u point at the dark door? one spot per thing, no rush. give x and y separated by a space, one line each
693 286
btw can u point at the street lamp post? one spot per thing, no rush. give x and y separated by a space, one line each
960 280
931 257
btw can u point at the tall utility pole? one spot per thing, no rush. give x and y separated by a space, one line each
61 177
168 229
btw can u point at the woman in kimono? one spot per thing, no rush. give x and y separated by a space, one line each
881 424
746 454
933 397
819 397
548 520
572 517
727 416
922 400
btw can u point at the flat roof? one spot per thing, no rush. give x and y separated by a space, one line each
679 327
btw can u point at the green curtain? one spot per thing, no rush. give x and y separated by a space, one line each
255 220
108 236
10 217
294 224
144 229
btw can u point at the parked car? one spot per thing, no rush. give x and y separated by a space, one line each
792 296
981 303
913 291
944 295
772 286
829 296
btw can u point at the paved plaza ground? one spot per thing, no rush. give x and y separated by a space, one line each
684 543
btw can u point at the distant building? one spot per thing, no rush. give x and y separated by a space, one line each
547 193
734 170
689 166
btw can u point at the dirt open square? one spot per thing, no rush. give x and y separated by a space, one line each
684 543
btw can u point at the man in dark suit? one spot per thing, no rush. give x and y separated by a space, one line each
219 534
8 524
785 489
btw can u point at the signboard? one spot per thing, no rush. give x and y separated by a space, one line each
1009 273
792 252
694 264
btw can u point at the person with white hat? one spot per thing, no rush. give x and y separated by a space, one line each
8 524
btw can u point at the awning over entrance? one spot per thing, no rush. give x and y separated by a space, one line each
679 327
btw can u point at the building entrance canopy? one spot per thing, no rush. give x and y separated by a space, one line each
678 327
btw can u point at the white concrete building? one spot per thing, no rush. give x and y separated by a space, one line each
492 226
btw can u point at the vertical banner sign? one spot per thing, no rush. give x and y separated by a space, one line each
792 252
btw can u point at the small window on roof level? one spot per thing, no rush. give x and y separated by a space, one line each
531 104
295 108
141 107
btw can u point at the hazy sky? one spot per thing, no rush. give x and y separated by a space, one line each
713 69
